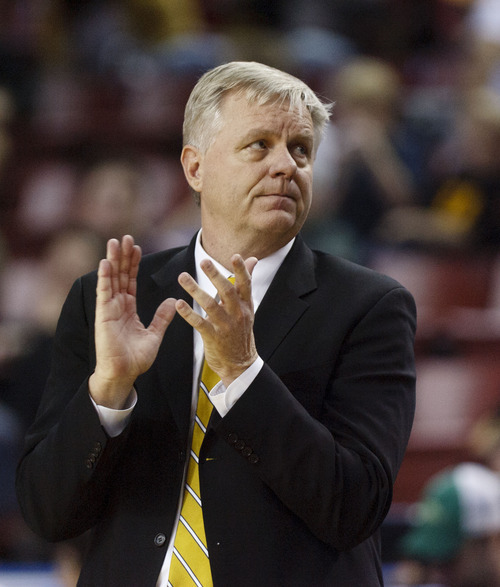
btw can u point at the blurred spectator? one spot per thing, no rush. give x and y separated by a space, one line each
25 347
19 49
483 32
107 200
137 40
25 344
156 21
377 160
455 537
71 252
122 195
111 195
179 224
464 205
484 439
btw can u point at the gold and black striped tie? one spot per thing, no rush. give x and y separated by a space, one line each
190 561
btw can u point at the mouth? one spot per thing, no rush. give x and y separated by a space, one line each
279 195
279 201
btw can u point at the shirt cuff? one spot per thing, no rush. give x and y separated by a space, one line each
113 421
224 398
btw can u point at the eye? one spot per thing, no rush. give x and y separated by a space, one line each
259 145
301 150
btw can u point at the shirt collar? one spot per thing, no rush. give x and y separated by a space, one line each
262 275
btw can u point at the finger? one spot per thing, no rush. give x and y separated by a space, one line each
113 256
250 263
104 287
243 275
127 246
129 265
134 269
191 317
225 288
206 301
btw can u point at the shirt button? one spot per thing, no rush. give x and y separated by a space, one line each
160 539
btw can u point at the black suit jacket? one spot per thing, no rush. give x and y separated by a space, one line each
295 479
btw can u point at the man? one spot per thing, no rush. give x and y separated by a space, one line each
316 398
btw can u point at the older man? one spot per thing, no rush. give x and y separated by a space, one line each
304 364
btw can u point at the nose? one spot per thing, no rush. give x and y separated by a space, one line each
283 164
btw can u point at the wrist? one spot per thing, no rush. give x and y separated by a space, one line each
237 371
110 393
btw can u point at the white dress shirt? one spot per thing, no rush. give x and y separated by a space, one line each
115 421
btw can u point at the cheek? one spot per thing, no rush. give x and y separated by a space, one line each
305 187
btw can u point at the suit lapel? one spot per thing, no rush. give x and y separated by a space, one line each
283 305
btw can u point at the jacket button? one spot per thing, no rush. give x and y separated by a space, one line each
160 539
239 445
232 438
89 463
253 459
246 451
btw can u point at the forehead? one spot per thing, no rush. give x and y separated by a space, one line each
241 115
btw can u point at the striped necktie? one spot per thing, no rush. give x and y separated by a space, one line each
190 562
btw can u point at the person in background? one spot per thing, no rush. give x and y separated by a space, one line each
462 208
108 199
454 540
484 439
25 350
377 164
68 254
311 395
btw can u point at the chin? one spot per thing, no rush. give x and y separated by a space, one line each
279 224
278 231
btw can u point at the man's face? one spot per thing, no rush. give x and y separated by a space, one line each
255 179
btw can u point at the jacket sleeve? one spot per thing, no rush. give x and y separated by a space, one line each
68 458
329 438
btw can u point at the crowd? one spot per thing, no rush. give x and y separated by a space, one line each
91 101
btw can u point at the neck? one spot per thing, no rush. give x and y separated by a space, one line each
222 249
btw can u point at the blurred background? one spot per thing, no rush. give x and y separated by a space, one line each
407 182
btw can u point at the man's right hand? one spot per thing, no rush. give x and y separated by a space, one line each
125 348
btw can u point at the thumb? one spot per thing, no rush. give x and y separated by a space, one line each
163 316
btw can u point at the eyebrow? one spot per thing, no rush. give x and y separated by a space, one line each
306 137
258 132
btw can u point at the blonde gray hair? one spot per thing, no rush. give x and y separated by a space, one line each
258 83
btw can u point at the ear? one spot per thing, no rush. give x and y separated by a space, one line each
191 160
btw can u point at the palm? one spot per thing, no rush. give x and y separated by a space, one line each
122 341
125 348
